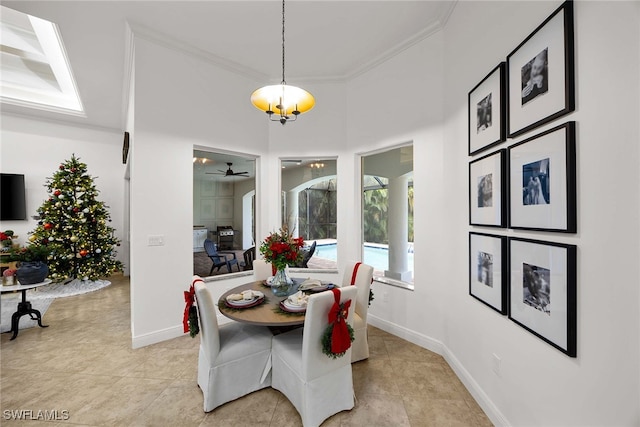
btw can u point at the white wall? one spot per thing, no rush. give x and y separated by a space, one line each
398 102
36 149
185 105
594 388
538 384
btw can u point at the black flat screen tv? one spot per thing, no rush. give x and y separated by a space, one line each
12 197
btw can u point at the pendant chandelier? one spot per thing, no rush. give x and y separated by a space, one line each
282 103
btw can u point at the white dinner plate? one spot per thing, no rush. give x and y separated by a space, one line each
242 302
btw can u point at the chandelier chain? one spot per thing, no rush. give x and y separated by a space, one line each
283 80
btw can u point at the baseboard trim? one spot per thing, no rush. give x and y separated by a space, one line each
407 334
489 408
157 336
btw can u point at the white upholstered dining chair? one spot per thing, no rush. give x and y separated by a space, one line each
362 281
317 385
261 269
234 359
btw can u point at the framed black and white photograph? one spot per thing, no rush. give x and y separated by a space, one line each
487 270
542 181
541 74
487 111
487 190
542 290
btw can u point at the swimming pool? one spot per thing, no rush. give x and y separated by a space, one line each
378 257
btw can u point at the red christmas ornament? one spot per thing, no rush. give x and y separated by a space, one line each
47 226
61 167
57 193
84 252
76 209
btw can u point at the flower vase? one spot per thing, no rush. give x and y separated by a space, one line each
281 283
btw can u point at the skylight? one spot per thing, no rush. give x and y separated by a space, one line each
35 68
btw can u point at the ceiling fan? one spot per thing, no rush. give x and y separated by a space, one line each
229 172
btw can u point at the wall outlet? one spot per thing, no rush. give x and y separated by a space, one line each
495 364
156 240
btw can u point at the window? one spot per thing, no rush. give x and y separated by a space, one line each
309 206
35 69
387 213
223 210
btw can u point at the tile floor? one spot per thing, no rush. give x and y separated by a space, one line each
83 364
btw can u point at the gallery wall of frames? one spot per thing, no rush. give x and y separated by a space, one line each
529 185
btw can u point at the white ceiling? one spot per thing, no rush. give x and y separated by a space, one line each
325 40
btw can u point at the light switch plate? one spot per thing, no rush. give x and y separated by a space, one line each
157 240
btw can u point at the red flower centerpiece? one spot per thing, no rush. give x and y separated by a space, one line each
6 240
281 249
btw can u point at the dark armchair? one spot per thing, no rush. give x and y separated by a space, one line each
249 255
219 258
307 253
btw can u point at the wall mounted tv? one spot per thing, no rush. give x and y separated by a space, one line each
12 197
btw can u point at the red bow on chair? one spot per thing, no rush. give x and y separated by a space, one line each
355 273
340 337
189 298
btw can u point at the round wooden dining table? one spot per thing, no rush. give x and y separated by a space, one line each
266 314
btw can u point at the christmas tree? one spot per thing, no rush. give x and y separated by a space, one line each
73 226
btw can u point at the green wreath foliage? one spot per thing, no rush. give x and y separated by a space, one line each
194 328
326 341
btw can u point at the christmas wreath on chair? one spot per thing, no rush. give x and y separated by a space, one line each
190 317
339 335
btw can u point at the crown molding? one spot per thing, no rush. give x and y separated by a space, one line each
129 55
363 68
56 120
144 32
169 42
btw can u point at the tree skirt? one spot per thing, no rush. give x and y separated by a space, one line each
42 297
59 290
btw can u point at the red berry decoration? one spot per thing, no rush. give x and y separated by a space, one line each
47 226
84 252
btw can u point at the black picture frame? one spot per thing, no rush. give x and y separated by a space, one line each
542 181
542 291
541 74
488 270
487 111
487 190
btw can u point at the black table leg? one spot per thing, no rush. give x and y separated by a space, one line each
24 307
